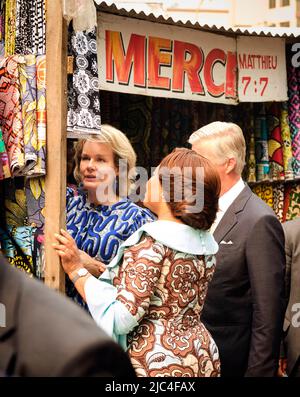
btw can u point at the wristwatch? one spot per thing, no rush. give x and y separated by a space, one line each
79 273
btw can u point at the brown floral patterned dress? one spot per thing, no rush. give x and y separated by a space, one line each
164 290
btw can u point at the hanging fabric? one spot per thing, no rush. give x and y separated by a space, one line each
287 143
4 164
41 117
10 27
30 27
278 200
11 113
294 116
35 201
265 192
275 143
24 237
83 88
261 145
15 205
27 72
293 197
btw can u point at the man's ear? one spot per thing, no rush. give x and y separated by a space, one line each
230 165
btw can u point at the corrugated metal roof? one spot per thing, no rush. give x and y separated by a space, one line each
110 7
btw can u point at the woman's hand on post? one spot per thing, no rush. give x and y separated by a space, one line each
67 249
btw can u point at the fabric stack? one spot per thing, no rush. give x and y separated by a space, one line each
23 130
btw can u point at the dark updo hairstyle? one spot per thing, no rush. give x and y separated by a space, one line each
207 187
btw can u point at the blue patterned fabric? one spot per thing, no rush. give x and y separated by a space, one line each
100 230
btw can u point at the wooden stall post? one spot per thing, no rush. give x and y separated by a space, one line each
55 183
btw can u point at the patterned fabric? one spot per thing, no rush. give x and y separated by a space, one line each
136 121
275 144
278 200
15 202
10 27
251 163
100 230
83 88
11 113
164 290
4 164
41 117
265 192
25 10
261 145
2 20
27 73
24 237
30 27
35 199
293 197
39 30
294 116
287 143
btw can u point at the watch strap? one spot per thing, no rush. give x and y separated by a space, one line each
77 276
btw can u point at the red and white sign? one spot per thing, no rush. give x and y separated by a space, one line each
261 69
159 60
146 58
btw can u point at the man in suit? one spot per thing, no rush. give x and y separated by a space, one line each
245 302
291 324
44 334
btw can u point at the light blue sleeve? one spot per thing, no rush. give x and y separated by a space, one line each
118 310
109 313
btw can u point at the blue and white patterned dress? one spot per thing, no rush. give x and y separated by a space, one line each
100 230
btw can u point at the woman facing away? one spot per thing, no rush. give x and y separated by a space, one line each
100 217
151 295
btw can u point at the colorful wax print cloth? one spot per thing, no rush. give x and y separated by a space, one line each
28 91
11 113
83 85
261 145
265 192
287 143
294 116
15 204
24 237
275 143
278 200
4 164
35 201
10 27
293 197
41 117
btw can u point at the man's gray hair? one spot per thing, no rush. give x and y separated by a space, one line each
229 141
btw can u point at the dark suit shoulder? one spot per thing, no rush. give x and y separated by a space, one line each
258 207
56 337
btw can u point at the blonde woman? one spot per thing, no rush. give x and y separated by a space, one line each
98 220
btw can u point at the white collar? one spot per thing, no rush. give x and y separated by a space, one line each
228 198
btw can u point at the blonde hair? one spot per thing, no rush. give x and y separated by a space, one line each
229 141
122 150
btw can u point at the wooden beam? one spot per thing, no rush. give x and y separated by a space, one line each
55 183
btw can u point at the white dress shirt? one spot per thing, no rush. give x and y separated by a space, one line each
225 202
